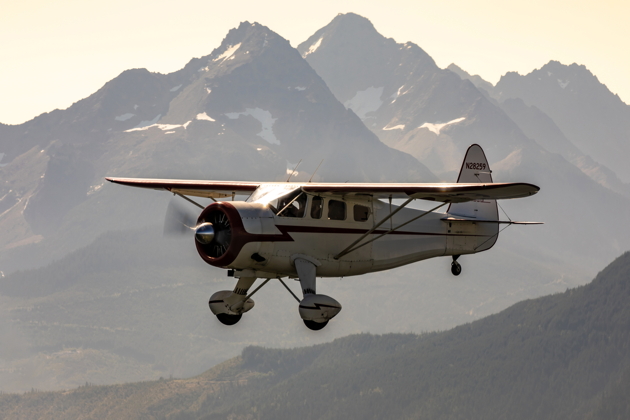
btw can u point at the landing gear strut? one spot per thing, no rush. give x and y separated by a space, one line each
315 310
229 306
456 268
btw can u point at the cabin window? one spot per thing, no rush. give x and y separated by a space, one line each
361 213
336 210
291 205
317 207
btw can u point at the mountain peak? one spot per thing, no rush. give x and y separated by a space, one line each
352 19
350 27
250 37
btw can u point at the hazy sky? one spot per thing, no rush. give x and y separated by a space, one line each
55 53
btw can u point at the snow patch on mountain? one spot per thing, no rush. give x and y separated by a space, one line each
396 94
436 128
176 88
300 88
2 157
228 54
313 47
162 127
204 116
146 123
396 127
563 83
264 117
124 117
365 101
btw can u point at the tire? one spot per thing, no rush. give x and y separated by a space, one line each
228 319
315 326
456 268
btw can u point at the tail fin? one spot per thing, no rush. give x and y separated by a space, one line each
475 170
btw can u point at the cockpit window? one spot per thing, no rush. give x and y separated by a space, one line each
291 205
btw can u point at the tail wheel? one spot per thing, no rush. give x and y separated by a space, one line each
456 268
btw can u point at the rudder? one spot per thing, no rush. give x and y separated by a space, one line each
475 170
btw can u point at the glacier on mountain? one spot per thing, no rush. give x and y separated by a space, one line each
264 117
365 101
124 117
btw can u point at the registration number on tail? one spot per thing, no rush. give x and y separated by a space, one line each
476 166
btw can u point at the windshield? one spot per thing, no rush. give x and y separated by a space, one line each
290 205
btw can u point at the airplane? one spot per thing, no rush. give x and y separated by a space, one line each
305 230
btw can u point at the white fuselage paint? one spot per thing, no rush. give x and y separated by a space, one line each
322 239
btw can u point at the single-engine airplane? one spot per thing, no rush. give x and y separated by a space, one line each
308 230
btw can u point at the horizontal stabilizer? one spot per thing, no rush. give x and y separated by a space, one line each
501 222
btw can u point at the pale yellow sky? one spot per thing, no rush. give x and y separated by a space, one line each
56 53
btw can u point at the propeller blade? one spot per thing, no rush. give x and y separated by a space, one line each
179 220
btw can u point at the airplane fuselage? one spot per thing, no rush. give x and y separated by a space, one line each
269 243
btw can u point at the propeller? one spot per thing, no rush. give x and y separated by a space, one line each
179 220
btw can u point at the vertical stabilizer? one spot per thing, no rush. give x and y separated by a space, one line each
475 170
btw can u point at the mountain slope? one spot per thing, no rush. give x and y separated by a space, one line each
592 117
547 358
434 115
538 126
405 99
249 110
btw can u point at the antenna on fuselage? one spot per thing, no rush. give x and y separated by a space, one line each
320 164
294 169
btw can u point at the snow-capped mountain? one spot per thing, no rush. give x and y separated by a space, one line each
431 113
404 98
589 115
249 110
542 128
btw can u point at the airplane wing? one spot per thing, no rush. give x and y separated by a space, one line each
210 189
452 193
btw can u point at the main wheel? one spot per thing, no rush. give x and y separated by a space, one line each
229 319
456 268
315 326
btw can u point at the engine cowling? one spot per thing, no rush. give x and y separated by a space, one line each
219 234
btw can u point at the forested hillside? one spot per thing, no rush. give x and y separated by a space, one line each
564 356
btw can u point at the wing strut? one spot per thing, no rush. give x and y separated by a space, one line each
390 215
191 201
350 248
